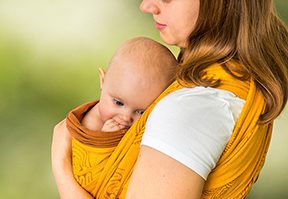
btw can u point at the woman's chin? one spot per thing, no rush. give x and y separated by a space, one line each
167 40
172 41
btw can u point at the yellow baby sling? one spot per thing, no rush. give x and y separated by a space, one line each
103 161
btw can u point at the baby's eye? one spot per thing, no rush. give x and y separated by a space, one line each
118 102
140 112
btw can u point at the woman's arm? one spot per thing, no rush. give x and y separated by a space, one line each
61 165
156 175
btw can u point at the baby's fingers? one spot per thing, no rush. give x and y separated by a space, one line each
121 121
112 125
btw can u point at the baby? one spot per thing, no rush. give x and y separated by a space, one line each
138 73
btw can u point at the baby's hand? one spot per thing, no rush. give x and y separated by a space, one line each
112 125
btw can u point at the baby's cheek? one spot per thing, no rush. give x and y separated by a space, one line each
105 113
136 118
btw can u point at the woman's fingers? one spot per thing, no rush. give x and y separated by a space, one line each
61 164
61 145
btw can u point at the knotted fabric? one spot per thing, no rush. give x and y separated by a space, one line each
103 164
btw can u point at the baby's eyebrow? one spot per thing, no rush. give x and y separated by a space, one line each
119 99
115 96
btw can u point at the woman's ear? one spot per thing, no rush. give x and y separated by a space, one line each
101 72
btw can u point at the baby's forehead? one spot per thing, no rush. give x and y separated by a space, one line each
136 75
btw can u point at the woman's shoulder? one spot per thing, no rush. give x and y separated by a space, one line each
200 99
193 126
201 108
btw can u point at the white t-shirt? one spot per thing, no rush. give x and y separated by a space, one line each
193 126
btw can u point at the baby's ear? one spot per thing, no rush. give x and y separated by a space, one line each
101 72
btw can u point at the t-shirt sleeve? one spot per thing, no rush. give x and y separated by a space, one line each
192 129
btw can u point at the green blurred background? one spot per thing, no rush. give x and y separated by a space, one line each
49 55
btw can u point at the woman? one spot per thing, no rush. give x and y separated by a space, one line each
209 140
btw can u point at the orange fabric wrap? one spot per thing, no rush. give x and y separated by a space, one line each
104 167
89 137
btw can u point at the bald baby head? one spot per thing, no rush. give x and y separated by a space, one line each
146 59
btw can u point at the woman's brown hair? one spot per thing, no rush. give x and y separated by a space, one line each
249 32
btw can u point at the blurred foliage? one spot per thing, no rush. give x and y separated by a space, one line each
49 55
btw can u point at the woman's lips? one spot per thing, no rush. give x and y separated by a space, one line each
160 26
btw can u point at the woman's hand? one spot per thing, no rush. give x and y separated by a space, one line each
61 147
62 165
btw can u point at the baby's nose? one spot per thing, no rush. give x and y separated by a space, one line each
128 118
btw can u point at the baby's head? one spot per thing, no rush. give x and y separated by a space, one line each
138 72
